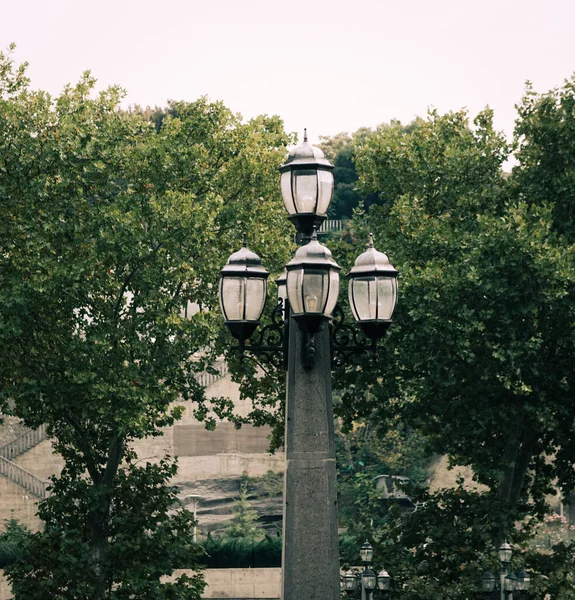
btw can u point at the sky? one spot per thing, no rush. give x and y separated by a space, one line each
330 66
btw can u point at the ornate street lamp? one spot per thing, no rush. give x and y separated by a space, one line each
243 291
373 292
306 186
508 582
307 296
312 284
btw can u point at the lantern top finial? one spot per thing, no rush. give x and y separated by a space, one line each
305 134
305 154
371 245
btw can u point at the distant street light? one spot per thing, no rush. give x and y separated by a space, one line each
508 582
368 580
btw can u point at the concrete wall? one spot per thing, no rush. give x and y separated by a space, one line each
15 502
221 583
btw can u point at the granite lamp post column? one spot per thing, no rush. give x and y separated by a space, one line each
310 558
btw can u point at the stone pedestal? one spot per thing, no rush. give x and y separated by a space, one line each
310 552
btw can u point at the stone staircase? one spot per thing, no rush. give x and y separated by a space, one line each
32 484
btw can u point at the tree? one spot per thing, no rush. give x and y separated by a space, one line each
340 150
244 521
478 357
108 228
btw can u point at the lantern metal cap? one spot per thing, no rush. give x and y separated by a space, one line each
313 254
372 261
306 155
245 262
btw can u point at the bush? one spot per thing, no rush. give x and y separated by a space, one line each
12 542
242 553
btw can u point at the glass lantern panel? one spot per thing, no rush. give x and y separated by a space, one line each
369 581
325 184
233 298
256 288
383 582
286 188
294 290
349 581
315 291
386 297
333 292
305 191
363 299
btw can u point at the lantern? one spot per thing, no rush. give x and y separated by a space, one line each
383 580
366 552
372 291
306 186
349 581
487 582
505 553
523 581
369 580
510 584
312 284
243 290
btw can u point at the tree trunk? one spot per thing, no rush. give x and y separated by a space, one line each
104 484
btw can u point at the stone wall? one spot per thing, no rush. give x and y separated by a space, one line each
240 584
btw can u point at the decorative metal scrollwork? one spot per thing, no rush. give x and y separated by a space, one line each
271 341
346 340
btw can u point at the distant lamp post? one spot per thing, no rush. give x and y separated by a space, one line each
368 579
195 499
508 582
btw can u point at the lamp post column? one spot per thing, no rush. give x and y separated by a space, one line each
310 542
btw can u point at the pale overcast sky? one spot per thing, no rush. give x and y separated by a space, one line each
329 66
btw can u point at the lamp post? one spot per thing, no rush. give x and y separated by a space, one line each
368 579
508 582
308 296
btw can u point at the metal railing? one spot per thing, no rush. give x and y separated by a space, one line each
24 443
207 379
23 478
331 225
